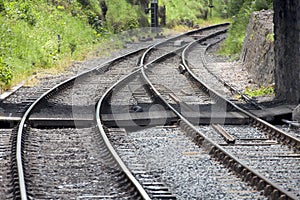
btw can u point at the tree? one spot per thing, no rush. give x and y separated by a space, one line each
2 8
287 50
234 6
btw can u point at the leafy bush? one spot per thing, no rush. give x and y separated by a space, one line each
6 75
41 34
121 16
38 34
183 11
20 11
191 13
234 42
263 4
2 8
236 34
234 7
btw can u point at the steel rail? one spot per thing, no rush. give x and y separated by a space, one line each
22 125
204 62
100 126
230 161
274 132
143 58
20 133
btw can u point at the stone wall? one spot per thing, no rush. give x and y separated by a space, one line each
258 50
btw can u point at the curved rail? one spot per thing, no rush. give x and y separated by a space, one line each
232 162
204 62
274 132
143 58
23 123
119 161
100 125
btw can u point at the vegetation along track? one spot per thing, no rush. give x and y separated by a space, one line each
33 149
235 158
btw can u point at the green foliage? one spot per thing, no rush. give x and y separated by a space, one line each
39 35
236 35
263 91
184 11
2 8
84 3
6 75
121 16
234 6
270 37
234 42
191 13
22 10
263 4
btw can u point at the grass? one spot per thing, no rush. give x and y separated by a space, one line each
214 20
270 37
182 12
40 35
257 92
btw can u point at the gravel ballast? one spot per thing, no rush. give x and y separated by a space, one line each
186 169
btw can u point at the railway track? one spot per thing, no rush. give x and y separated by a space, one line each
14 105
79 166
32 177
256 146
174 43
195 57
123 143
126 89
235 157
120 89
91 171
